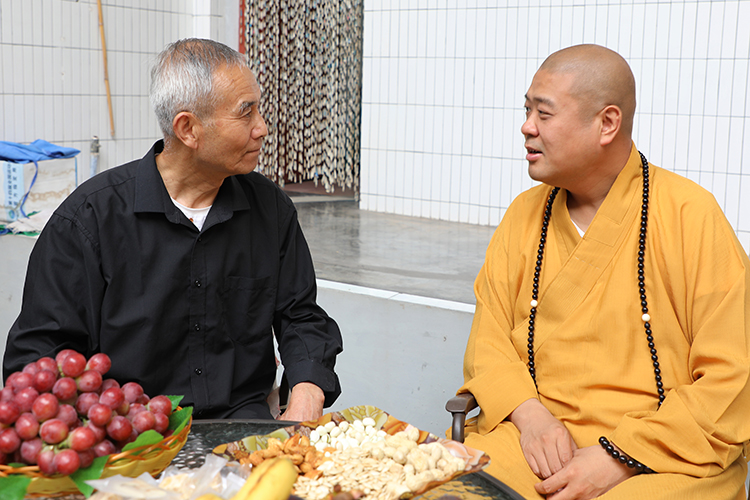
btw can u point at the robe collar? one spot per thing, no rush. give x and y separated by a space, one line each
585 259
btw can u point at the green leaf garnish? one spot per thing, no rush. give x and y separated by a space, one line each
93 471
144 439
14 487
179 419
175 401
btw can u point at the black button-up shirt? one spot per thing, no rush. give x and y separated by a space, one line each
119 269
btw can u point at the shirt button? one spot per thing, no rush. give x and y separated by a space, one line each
198 371
197 327
197 283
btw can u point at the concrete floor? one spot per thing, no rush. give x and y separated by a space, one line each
424 257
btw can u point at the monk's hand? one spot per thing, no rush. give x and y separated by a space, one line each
546 443
591 473
305 403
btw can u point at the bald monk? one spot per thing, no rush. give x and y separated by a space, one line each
610 349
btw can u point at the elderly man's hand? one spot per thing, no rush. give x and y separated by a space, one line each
546 443
305 403
591 473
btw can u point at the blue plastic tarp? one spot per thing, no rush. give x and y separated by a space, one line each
36 151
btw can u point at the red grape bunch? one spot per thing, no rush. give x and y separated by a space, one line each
60 414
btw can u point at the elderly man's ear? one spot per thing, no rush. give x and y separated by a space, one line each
188 129
611 122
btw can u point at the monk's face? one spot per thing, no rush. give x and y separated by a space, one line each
558 133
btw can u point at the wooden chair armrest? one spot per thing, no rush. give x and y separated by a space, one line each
459 406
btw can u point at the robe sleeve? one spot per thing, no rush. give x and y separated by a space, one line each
493 370
702 427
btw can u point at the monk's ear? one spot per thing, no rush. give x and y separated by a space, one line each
611 123
187 128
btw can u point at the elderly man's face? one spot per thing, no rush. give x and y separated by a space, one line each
558 136
234 134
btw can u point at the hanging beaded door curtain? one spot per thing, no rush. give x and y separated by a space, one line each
307 57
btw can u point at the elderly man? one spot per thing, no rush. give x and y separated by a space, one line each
610 349
183 265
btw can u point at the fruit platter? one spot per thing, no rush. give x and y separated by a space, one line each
63 423
360 451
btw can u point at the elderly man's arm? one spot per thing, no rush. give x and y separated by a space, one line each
61 298
305 403
309 340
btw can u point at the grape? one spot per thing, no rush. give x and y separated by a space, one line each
9 441
100 414
53 431
11 379
144 421
25 398
85 402
31 368
9 412
65 389
73 365
108 383
162 423
45 460
104 448
87 457
22 381
6 393
45 380
82 439
45 407
112 397
133 391
27 426
160 404
133 436
99 362
47 363
66 461
30 450
124 408
99 431
89 381
68 415
62 355
135 409
119 428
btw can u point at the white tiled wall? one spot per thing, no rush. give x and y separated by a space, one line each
443 86
52 77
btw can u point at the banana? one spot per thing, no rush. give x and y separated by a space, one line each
209 496
271 480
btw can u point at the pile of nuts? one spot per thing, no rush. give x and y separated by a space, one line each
305 457
383 469
345 435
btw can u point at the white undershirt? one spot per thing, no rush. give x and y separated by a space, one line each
196 215
580 231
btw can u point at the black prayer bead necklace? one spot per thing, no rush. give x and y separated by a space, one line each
624 459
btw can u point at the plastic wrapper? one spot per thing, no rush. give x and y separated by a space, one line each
216 476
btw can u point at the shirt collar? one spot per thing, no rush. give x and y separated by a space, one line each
151 194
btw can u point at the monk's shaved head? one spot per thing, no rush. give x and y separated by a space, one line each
601 77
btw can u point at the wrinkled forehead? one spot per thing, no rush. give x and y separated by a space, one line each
236 84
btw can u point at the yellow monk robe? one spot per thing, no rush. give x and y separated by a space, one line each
593 365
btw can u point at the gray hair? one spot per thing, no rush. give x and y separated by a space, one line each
182 79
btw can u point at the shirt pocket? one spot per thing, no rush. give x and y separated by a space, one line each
248 306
